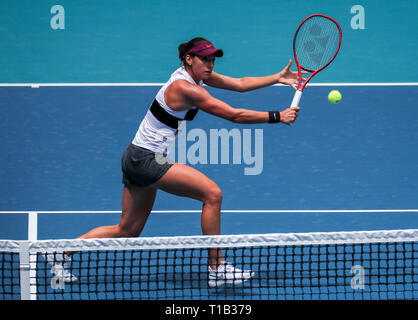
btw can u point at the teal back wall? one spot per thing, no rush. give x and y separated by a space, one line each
137 40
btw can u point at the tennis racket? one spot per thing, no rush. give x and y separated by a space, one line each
316 43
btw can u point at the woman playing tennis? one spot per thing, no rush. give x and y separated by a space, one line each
144 172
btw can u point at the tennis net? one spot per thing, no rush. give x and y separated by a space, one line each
313 266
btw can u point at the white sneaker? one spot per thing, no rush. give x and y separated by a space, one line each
226 273
60 263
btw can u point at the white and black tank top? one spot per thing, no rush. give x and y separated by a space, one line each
159 127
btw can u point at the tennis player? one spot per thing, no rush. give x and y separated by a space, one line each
145 168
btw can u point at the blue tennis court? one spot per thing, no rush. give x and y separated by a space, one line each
69 112
315 176
62 153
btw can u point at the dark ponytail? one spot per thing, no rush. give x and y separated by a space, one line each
186 46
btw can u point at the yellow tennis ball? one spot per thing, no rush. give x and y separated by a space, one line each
334 96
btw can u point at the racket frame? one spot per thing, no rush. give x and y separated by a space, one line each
298 93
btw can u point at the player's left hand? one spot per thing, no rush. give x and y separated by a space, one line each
287 76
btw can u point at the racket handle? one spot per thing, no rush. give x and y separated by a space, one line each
296 98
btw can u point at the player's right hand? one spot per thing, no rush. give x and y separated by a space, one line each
289 115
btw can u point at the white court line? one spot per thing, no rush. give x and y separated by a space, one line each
33 215
223 211
32 226
366 84
152 84
37 85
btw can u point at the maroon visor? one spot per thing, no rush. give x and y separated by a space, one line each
204 49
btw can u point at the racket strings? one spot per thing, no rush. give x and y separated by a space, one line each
316 42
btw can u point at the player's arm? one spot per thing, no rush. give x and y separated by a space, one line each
200 97
286 76
240 84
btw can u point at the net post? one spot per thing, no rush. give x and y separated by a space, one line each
24 266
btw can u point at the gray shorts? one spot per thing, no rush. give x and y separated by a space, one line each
140 167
